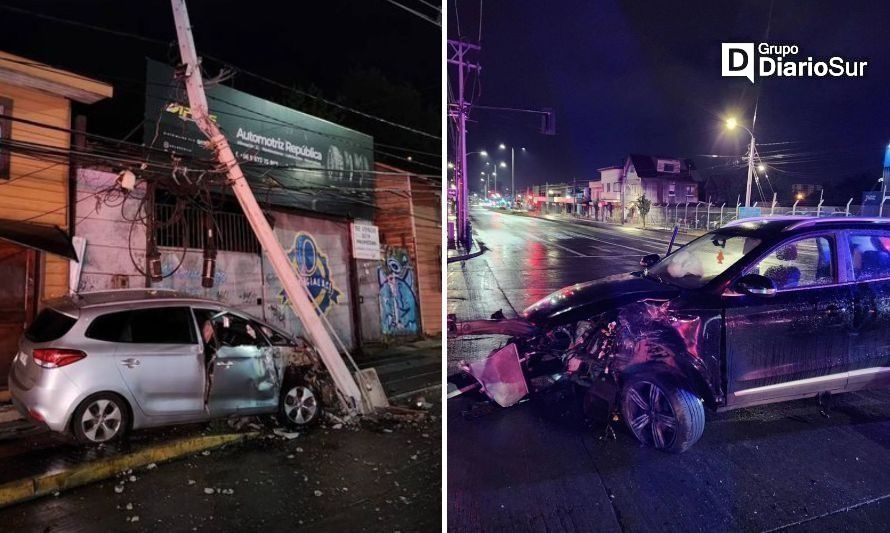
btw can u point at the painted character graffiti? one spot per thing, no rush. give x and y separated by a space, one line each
398 299
312 266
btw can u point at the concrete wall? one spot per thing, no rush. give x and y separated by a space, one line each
106 230
318 249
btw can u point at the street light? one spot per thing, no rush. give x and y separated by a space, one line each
503 164
731 124
512 165
761 168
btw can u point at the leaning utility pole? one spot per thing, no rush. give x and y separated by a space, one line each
459 52
296 292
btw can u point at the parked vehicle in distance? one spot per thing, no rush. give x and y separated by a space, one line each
99 364
756 312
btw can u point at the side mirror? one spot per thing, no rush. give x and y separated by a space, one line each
649 260
755 285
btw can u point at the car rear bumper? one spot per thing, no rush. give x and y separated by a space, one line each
48 402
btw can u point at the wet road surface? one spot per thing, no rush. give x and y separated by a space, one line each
542 466
382 477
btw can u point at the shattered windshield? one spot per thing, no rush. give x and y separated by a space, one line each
702 260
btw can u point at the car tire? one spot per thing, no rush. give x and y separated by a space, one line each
101 418
299 405
662 414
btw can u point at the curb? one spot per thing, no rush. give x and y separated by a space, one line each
41 485
482 250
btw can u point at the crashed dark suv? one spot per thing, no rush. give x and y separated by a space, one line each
756 312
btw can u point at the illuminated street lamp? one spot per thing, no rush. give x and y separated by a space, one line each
761 167
731 124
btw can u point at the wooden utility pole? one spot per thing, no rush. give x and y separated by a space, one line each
297 294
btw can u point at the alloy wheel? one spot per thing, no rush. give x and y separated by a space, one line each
650 415
300 405
101 420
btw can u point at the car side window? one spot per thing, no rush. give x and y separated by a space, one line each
275 338
801 263
233 330
111 327
870 256
161 325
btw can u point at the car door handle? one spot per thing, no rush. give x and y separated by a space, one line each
834 312
130 363
224 364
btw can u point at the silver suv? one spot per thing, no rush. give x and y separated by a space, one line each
99 364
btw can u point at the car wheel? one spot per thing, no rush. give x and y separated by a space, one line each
299 406
100 418
662 415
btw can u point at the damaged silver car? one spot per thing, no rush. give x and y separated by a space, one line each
757 312
97 365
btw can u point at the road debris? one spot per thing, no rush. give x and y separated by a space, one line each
285 434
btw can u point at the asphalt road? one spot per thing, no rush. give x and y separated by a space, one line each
542 466
383 476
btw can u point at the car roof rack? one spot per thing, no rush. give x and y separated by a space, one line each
761 220
813 221
81 294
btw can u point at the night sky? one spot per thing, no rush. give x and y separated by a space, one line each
644 77
296 43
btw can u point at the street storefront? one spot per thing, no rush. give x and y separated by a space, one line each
324 203
34 201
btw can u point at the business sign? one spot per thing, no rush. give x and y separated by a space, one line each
365 241
320 166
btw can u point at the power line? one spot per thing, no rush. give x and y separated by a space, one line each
416 13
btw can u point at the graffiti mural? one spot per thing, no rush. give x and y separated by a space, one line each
398 297
312 265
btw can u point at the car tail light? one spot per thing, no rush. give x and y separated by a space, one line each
56 357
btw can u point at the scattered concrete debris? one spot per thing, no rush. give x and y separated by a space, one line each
191 482
318 492
118 489
208 490
283 433
129 506
151 466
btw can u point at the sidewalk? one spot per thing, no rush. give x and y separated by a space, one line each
460 253
406 370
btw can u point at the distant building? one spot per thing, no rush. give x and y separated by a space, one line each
802 191
664 180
